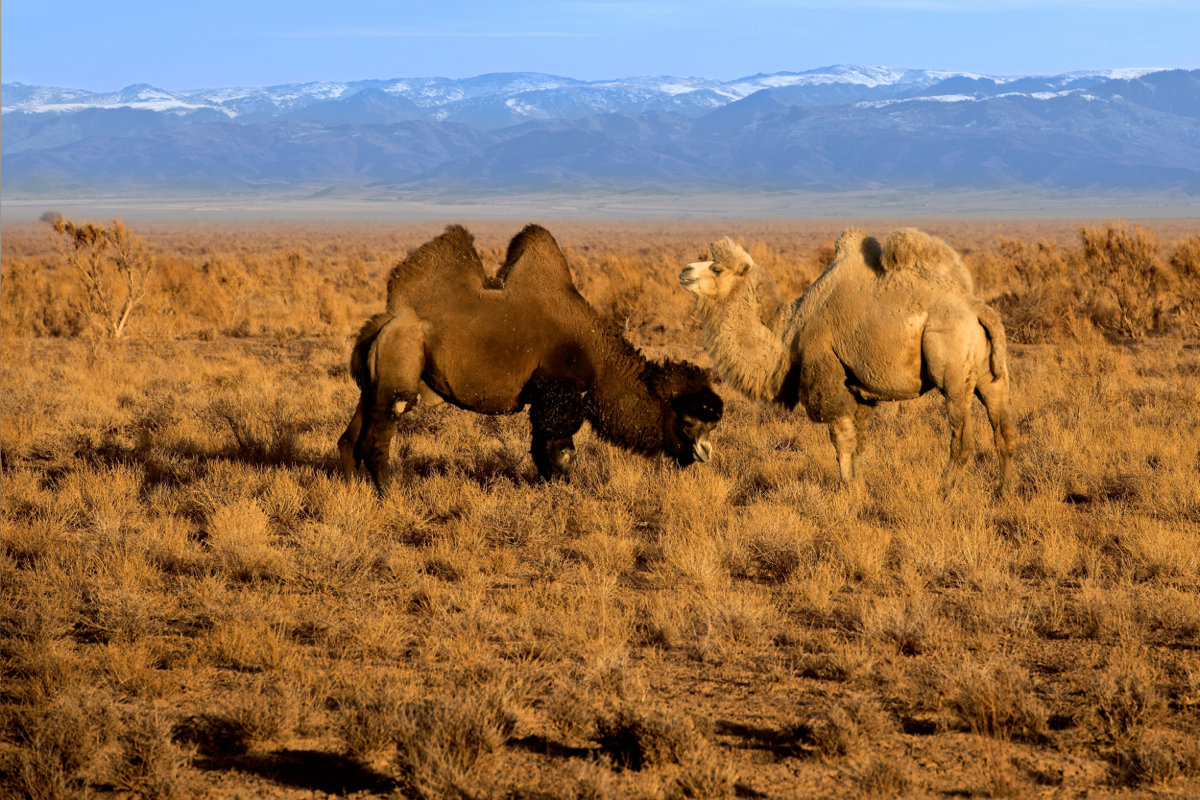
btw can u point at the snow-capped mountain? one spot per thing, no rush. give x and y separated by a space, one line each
833 126
531 94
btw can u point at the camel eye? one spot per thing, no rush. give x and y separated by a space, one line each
717 270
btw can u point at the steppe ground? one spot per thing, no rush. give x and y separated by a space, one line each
193 603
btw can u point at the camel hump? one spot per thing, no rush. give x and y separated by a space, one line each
853 243
449 258
911 250
534 258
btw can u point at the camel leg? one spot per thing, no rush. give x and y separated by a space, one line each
994 396
958 410
862 417
555 414
347 441
391 386
845 442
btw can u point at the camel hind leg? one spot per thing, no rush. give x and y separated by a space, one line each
347 442
958 387
994 396
389 375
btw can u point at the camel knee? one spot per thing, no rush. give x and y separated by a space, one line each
554 458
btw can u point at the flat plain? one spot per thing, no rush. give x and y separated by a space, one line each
194 603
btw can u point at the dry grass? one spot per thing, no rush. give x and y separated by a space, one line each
193 603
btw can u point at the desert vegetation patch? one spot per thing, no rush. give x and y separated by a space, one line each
193 602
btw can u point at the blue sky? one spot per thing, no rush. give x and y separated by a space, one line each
108 45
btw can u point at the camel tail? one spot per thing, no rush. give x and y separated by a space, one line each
994 327
362 360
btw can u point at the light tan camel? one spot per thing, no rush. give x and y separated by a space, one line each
881 323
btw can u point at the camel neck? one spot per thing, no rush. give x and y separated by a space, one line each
744 334
621 407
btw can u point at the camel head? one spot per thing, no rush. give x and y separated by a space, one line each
716 278
691 410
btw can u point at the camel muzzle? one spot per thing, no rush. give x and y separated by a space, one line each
690 274
703 451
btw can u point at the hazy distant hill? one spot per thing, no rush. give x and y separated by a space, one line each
832 128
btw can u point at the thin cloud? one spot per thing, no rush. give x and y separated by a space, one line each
385 33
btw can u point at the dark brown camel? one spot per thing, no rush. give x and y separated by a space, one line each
524 338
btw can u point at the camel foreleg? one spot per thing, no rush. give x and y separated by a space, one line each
555 415
844 435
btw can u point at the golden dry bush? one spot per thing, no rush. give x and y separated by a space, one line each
1127 277
444 748
635 738
1127 698
148 762
242 545
997 700
112 267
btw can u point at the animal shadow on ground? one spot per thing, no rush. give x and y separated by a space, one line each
549 747
757 738
222 747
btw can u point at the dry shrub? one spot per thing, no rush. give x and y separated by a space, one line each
836 732
326 556
242 545
883 778
1127 278
148 762
36 303
111 265
58 747
705 776
211 735
571 710
443 748
1126 698
636 740
1041 309
368 717
267 709
910 625
998 701
266 429
845 662
1117 278
248 646
135 666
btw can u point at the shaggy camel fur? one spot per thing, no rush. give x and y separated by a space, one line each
525 337
881 323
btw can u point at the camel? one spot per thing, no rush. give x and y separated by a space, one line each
880 324
525 337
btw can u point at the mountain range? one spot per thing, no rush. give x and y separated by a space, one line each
835 128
